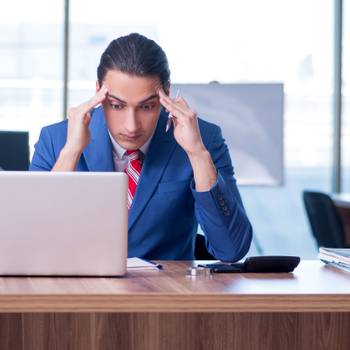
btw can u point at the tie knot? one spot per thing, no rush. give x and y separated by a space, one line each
133 154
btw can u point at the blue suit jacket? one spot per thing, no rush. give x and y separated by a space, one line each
166 210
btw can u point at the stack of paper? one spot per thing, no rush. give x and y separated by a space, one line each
137 263
339 257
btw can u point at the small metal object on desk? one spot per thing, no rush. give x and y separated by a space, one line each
198 271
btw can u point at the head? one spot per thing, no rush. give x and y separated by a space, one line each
133 68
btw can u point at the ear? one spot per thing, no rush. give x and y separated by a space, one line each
98 87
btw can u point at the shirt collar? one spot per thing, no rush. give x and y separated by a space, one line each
119 151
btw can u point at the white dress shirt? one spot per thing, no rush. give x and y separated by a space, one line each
120 158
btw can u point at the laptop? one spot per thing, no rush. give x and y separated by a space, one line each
63 223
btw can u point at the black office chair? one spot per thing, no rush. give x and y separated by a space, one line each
200 250
14 150
325 221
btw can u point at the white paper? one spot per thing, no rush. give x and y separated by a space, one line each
137 263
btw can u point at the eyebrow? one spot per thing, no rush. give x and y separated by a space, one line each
143 101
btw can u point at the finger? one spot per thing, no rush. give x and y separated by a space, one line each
178 101
95 100
161 92
189 111
164 96
167 100
98 98
183 102
178 104
176 108
176 112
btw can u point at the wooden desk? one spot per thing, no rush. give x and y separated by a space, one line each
342 202
309 309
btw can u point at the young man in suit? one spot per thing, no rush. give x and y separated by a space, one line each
177 179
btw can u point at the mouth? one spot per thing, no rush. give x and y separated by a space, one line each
130 137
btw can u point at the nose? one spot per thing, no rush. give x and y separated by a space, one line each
131 122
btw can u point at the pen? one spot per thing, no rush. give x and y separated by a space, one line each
158 266
168 123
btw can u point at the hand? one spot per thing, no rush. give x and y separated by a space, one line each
186 130
187 135
78 134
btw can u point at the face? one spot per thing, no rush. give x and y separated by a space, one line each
131 108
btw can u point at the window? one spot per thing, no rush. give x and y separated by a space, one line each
31 65
251 41
346 100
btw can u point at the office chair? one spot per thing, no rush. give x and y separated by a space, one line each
200 250
14 150
325 221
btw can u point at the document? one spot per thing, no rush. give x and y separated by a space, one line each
339 257
137 263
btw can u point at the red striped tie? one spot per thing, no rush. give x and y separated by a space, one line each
133 171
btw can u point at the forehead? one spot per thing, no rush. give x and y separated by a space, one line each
131 88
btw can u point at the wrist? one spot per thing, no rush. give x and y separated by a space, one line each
204 171
71 151
69 157
199 153
67 160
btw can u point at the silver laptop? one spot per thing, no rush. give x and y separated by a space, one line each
66 224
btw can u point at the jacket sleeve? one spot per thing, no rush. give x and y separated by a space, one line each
220 210
43 157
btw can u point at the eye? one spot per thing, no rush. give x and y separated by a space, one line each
147 107
116 106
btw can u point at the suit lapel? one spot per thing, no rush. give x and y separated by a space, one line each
98 153
160 150
98 157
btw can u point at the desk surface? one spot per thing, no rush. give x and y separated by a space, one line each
312 287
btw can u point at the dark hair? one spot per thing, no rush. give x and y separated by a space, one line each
136 55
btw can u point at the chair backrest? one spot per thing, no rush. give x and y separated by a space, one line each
325 221
14 150
200 249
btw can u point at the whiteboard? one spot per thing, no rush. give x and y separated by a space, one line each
251 120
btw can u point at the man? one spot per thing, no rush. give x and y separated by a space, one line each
177 179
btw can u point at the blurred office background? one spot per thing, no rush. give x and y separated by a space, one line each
252 41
